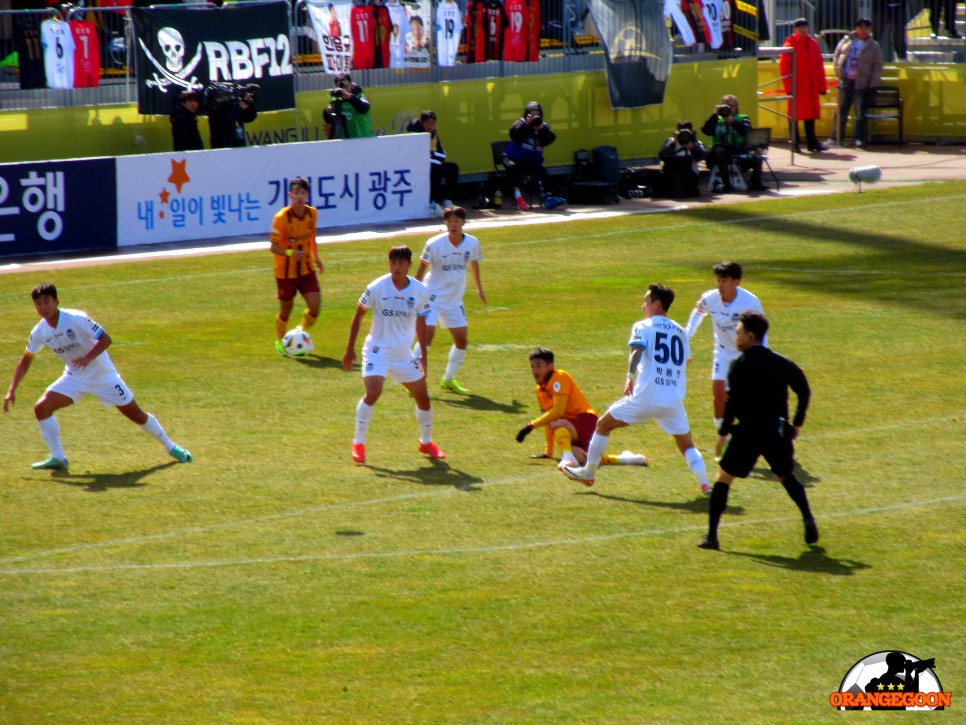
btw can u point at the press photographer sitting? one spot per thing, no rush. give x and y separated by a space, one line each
347 116
230 107
680 155
727 129
523 156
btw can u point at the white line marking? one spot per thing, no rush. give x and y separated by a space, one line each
493 548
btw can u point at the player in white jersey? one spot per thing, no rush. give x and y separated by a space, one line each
447 257
659 358
58 43
399 307
726 304
82 344
449 26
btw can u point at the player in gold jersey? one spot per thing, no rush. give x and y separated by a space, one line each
296 260
567 417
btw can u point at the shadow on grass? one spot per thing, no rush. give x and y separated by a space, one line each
478 402
101 482
697 505
889 253
814 561
319 362
808 480
439 473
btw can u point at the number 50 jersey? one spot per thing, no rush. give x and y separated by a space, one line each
662 371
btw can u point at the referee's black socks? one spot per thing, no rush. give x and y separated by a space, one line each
796 492
719 500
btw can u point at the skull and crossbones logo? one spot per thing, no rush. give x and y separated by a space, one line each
173 71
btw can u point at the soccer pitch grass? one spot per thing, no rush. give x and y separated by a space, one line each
275 581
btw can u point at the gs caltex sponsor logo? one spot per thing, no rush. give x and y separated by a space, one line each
891 680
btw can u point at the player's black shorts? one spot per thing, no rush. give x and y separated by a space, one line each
746 446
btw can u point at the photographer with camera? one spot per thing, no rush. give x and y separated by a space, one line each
184 123
680 155
523 156
230 106
347 115
727 129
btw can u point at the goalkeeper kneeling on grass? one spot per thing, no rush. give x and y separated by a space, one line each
568 419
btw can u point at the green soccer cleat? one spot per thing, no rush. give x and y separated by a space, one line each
280 348
453 387
50 464
180 455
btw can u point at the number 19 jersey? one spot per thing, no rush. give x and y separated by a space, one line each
662 371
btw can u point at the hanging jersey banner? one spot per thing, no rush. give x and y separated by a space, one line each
181 48
637 50
419 17
330 21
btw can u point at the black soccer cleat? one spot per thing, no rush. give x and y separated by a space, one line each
709 542
811 532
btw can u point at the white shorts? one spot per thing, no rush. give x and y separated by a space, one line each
109 389
672 418
721 363
449 316
403 369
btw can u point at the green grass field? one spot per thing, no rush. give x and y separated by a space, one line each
275 581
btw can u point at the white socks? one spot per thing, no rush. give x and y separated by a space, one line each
50 430
717 424
363 416
154 429
453 362
595 451
425 420
696 464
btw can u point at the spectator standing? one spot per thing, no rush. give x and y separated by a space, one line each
948 9
296 260
523 156
399 307
184 123
443 174
82 345
809 83
758 398
858 65
727 127
446 257
347 116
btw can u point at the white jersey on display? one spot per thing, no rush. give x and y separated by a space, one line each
447 267
449 26
394 314
73 337
58 43
724 316
662 371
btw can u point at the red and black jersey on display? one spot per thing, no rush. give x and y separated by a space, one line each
533 31
494 23
515 37
475 36
383 33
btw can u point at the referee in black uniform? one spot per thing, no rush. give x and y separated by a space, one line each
758 386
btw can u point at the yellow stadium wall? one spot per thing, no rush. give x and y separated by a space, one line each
473 113
934 97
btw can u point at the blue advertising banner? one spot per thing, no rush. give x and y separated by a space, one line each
58 206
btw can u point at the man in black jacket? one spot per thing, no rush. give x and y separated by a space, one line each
227 116
443 174
758 397
184 123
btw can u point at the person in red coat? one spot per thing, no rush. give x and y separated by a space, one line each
809 82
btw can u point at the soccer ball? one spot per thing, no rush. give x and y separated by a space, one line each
297 343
